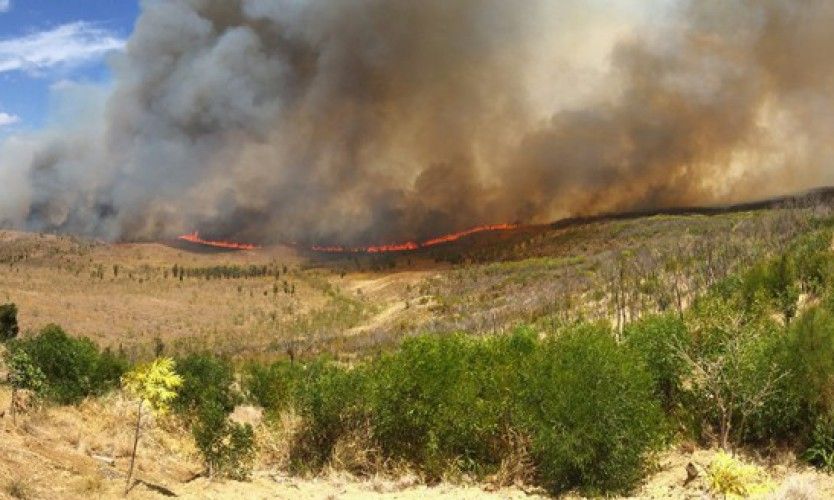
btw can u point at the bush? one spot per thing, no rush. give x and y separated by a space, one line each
272 386
820 453
586 407
72 368
775 281
228 448
329 399
8 322
444 401
812 257
206 399
23 374
206 380
659 340
590 407
804 396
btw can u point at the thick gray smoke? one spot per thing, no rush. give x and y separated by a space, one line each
382 120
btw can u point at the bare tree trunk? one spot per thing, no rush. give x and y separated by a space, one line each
14 405
135 443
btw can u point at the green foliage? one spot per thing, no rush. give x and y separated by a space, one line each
8 322
810 348
228 448
444 403
812 259
271 386
154 383
23 373
805 354
73 368
205 400
206 379
776 281
821 451
658 339
590 407
329 399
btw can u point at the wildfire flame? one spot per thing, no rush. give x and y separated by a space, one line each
413 245
230 245
394 247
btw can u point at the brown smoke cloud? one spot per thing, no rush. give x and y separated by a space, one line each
372 121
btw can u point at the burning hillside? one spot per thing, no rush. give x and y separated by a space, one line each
228 245
371 249
414 245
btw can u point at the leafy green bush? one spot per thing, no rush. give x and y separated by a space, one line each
330 401
72 368
775 281
659 340
590 407
228 448
271 386
23 373
805 394
820 453
812 257
446 401
206 380
205 400
8 322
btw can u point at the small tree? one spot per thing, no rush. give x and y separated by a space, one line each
156 384
23 374
8 322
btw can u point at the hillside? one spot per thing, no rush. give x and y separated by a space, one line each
271 299
284 305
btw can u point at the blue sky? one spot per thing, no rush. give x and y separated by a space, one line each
45 42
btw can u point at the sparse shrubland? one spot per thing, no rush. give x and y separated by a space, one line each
622 354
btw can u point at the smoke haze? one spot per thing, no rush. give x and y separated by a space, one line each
364 121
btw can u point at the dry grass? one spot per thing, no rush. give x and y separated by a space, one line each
126 295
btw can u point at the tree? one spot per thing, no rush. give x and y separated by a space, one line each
156 384
729 369
8 322
23 375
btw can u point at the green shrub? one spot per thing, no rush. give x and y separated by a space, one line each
812 257
820 453
23 374
446 401
228 448
805 394
72 368
205 400
271 386
659 339
775 281
590 407
329 399
206 380
8 322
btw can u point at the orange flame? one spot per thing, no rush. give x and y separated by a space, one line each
230 245
407 246
412 245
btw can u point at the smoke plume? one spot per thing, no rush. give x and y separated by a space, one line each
381 120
